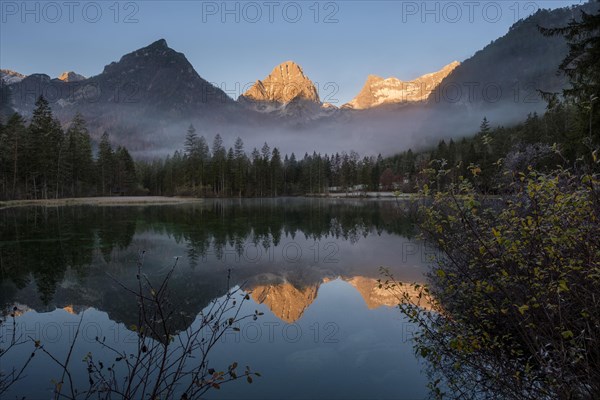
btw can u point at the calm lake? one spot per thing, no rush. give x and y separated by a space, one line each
310 265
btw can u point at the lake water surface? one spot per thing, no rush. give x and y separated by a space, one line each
310 265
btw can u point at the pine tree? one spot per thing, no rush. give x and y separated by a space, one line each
255 172
581 64
78 156
240 166
125 173
193 156
484 128
229 172
105 164
581 67
292 175
203 154
12 148
276 168
45 150
218 164
265 171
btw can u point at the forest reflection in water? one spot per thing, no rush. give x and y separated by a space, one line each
287 253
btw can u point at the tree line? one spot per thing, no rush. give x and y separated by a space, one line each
203 170
41 160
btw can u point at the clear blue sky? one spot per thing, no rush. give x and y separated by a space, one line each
235 43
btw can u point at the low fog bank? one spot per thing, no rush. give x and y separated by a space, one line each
367 133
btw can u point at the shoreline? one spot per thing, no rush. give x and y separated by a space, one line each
364 195
100 201
162 200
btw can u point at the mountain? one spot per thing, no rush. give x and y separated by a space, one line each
286 92
9 77
285 300
288 302
376 297
156 78
503 81
159 77
285 83
514 68
148 98
70 76
141 100
378 91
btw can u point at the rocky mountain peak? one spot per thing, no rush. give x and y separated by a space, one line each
158 47
160 77
451 66
285 83
157 54
378 91
159 43
285 300
9 77
375 297
70 76
374 79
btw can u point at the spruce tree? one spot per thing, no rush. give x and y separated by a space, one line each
78 156
44 150
105 164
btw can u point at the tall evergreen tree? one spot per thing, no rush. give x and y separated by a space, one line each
45 150
581 67
218 164
203 154
105 164
484 128
12 149
193 156
240 166
276 167
581 63
125 174
78 157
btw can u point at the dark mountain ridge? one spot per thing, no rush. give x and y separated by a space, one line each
148 98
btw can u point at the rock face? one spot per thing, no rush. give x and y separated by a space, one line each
286 93
375 297
70 76
159 76
288 302
152 79
9 77
137 99
284 84
378 91
285 300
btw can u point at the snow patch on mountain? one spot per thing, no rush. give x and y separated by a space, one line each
9 77
378 91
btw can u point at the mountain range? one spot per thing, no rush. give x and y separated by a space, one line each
378 92
286 301
147 99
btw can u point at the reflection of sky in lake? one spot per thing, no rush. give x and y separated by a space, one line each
344 350
326 332
338 349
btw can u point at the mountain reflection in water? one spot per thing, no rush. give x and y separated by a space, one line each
297 258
